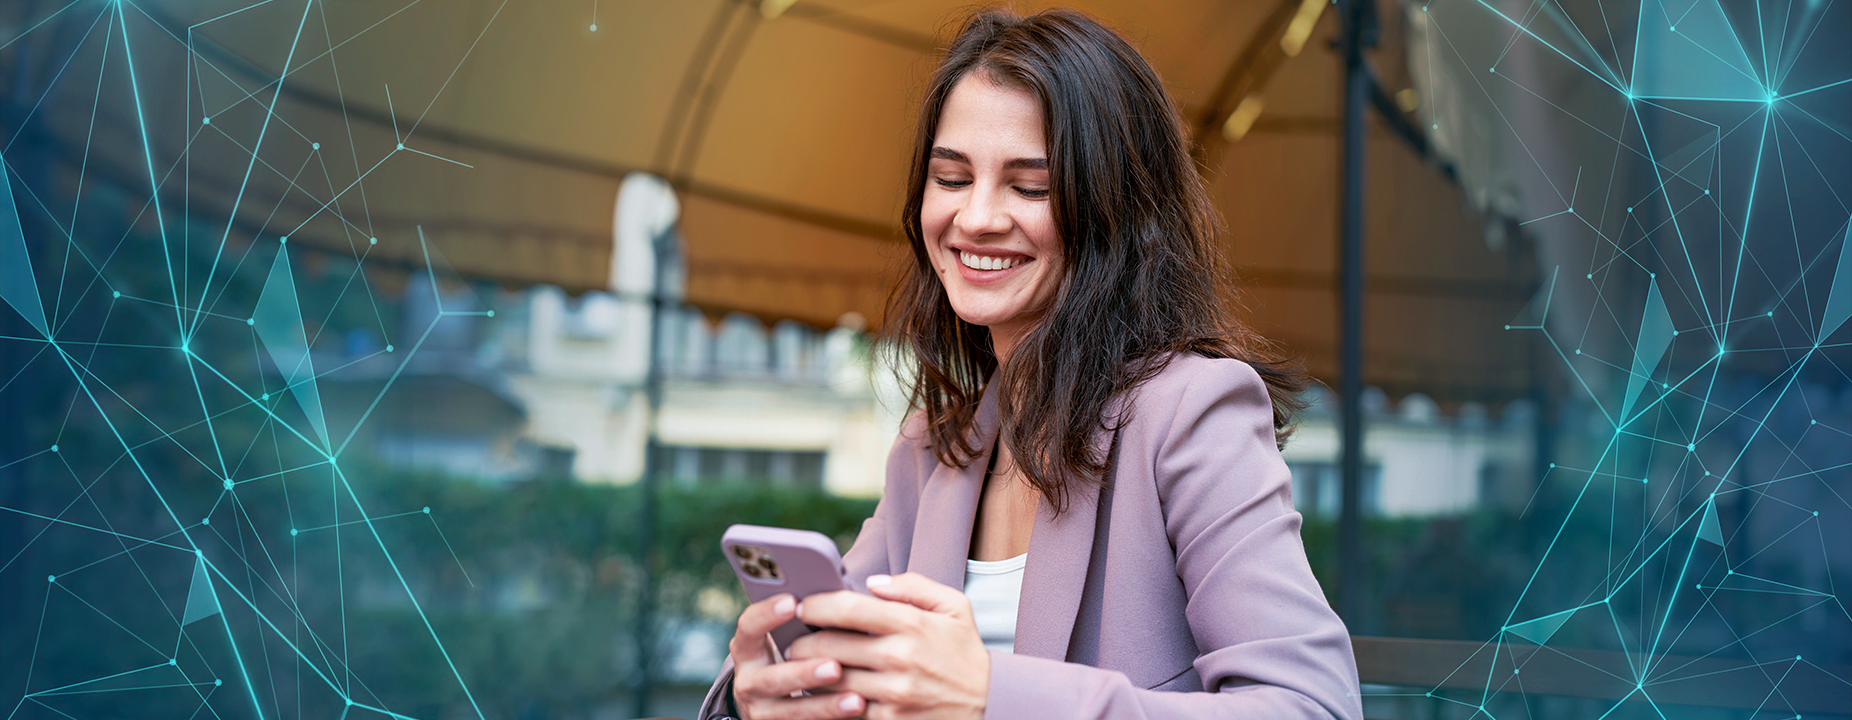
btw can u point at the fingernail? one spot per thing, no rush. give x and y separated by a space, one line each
827 669
784 607
850 703
879 580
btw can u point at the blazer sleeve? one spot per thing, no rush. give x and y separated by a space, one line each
868 556
1269 644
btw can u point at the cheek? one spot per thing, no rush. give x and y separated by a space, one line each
936 213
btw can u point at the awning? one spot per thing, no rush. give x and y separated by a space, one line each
784 130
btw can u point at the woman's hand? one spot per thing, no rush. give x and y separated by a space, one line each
763 688
921 658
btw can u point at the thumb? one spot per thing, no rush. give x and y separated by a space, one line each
921 592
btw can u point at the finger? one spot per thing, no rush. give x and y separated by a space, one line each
855 611
748 644
783 679
833 706
853 650
874 686
921 592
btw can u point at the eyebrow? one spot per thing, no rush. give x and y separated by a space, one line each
945 153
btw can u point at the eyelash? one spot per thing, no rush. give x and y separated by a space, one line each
956 184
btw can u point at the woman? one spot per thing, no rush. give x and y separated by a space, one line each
1093 458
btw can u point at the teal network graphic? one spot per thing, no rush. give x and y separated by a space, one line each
211 329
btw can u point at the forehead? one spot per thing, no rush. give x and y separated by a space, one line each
983 117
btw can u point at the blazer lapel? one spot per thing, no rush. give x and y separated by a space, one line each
948 505
1060 553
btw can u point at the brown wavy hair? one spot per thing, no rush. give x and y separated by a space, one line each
1142 276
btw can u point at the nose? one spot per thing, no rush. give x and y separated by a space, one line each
984 213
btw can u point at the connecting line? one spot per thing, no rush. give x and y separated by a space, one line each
154 185
394 564
230 639
238 200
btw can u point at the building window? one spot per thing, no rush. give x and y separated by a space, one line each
707 466
1318 489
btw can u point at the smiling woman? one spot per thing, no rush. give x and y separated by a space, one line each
1072 371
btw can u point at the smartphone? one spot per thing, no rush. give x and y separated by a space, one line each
770 560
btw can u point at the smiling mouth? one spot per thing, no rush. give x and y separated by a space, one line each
990 262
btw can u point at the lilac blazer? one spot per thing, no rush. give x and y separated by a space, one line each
1179 590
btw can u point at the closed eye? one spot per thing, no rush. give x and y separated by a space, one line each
953 184
1033 194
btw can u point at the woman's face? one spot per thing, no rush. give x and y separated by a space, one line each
986 215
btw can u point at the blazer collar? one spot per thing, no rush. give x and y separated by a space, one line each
1060 549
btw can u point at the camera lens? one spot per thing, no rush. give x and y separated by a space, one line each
743 552
753 570
770 567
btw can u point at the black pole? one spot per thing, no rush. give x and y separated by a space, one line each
662 247
1358 34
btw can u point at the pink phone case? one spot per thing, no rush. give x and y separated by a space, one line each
770 560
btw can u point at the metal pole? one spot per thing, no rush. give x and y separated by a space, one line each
1358 19
652 467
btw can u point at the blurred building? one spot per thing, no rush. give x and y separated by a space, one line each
786 405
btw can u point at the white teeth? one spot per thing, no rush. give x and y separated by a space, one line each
986 262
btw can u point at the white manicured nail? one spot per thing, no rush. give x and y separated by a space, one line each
826 669
849 703
879 580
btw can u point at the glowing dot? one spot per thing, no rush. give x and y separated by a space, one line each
1652 275
1578 351
1437 125
1629 209
250 321
594 27
1514 671
1491 70
1572 211
1591 276
350 701
51 578
173 661
315 146
401 147
266 397
205 121
1732 572
1674 28
216 682
205 521
1674 333
183 348
1507 327
284 240
1552 466
427 510
292 532
1694 446
228 484
372 241
1816 513
491 313
1665 386
1707 191
54 448
388 348
116 294
1809 422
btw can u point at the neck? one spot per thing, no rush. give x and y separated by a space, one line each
1004 337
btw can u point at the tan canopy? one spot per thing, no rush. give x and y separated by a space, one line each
784 128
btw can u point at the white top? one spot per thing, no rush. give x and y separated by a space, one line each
994 588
